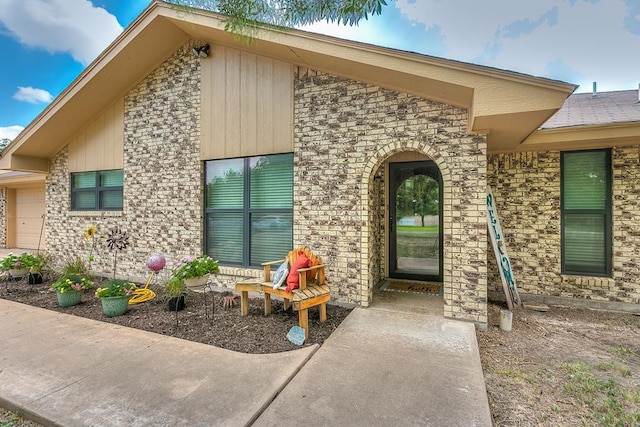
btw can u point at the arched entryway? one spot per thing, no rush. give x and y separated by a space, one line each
416 166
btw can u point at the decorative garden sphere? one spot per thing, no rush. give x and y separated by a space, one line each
156 262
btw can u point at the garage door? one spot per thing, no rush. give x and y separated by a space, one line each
29 217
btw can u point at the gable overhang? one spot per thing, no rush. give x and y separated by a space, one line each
583 137
505 106
144 45
11 179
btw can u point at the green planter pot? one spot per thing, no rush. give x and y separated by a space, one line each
115 306
69 298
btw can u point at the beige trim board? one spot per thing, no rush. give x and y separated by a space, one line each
583 137
14 180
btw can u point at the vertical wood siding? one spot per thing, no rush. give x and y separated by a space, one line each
247 105
99 145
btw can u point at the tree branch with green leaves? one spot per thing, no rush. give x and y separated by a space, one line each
242 15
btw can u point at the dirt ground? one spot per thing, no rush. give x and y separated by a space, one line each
563 367
555 368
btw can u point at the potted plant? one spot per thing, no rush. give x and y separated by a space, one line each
69 289
195 271
75 265
18 265
114 295
38 269
175 293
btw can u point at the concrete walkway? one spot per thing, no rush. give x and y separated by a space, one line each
388 368
380 367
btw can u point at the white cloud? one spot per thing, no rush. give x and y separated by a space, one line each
32 95
73 26
583 41
10 132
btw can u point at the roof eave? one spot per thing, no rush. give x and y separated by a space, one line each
488 94
583 137
97 86
16 179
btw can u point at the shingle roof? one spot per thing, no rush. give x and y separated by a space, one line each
583 109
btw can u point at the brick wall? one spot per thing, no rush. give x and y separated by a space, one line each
344 132
527 191
377 254
162 176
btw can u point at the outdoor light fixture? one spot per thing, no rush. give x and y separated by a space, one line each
202 51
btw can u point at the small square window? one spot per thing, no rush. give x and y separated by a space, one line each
100 190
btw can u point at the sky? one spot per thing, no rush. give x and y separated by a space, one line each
45 44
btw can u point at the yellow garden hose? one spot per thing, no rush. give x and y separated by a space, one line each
144 294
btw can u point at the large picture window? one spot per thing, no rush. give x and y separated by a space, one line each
249 209
586 212
101 190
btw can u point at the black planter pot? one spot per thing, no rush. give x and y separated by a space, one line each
176 303
34 278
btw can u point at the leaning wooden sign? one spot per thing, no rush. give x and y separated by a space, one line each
500 249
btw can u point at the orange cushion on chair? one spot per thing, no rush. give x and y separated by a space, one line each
293 280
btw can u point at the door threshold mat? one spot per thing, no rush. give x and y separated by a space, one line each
424 288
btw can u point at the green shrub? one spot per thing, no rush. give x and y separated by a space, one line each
175 286
19 262
75 265
70 282
116 288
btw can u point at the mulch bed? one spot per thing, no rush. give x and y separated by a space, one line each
224 328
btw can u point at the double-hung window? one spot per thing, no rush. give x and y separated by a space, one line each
249 209
586 212
100 190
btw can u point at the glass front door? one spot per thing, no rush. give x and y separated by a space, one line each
415 221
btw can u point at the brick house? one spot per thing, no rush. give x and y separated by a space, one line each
580 245
302 139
